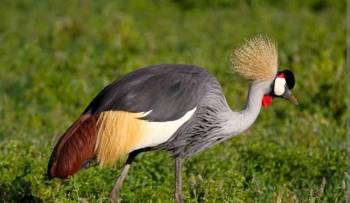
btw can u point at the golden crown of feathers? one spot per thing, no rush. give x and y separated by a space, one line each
256 59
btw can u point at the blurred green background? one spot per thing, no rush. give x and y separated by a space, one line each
55 56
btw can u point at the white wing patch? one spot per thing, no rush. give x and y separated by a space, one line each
279 86
143 114
159 132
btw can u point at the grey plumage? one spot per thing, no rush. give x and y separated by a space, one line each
204 128
169 90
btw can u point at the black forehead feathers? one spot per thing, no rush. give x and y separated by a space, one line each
289 78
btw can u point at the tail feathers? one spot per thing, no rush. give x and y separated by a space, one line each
75 148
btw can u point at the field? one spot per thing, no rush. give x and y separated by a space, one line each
55 57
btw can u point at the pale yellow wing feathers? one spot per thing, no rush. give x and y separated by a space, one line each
256 59
122 132
118 133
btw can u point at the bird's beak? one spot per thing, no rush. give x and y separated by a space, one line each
288 96
292 99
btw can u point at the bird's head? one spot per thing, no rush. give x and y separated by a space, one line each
281 87
257 60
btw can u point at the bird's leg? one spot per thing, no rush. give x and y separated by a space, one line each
178 183
114 195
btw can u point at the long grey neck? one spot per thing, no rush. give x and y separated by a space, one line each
238 122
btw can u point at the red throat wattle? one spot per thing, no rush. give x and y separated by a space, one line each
266 101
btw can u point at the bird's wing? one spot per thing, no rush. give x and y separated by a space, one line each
166 92
143 109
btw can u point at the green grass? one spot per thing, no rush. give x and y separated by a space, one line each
56 56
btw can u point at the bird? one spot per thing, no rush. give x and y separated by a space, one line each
178 108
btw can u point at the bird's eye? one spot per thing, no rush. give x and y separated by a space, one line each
279 87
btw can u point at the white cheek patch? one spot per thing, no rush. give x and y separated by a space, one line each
279 87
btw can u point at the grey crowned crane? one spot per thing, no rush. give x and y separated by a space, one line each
177 108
